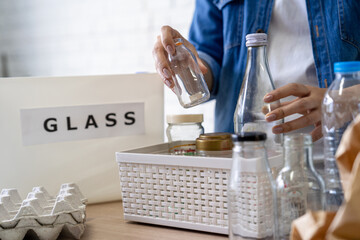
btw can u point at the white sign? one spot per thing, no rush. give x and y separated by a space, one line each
58 124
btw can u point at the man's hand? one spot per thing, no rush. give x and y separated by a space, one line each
308 104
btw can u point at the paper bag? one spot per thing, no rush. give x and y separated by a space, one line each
345 223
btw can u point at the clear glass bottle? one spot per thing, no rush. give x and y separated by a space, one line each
251 110
190 86
251 190
214 145
182 131
340 106
299 187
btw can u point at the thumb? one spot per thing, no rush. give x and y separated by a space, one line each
202 65
317 132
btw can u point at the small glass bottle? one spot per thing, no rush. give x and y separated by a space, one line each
251 109
251 190
340 106
299 186
190 86
214 145
182 132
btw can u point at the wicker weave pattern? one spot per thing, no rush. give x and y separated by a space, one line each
252 206
176 193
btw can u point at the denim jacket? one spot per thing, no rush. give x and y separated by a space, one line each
218 32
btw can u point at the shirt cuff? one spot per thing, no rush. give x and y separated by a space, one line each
215 70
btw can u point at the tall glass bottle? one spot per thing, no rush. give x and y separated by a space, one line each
251 190
340 107
299 186
251 110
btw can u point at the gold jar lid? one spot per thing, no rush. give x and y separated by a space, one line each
214 142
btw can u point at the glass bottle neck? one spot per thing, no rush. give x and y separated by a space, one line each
257 57
298 156
250 149
257 54
250 144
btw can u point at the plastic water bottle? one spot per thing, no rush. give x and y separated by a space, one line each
340 106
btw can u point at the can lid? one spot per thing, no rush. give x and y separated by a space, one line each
214 142
249 136
343 67
185 118
256 39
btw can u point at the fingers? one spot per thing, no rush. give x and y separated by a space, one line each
165 45
306 120
298 106
168 35
292 89
162 63
270 107
167 38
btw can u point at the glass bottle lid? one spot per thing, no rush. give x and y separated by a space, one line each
256 39
249 136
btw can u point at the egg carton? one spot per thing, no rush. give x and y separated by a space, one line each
42 216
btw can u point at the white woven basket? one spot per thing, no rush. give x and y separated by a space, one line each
157 190
188 191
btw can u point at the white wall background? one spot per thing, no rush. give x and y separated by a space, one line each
93 37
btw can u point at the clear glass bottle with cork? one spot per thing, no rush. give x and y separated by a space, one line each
182 132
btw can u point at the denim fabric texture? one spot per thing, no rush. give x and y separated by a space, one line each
218 32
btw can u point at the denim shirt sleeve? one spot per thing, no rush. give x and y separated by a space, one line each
206 35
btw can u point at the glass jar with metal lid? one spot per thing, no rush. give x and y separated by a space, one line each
214 144
182 131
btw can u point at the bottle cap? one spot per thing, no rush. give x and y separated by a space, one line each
214 142
249 136
344 67
185 118
178 41
256 39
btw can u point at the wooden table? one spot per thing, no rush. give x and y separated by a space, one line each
106 222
